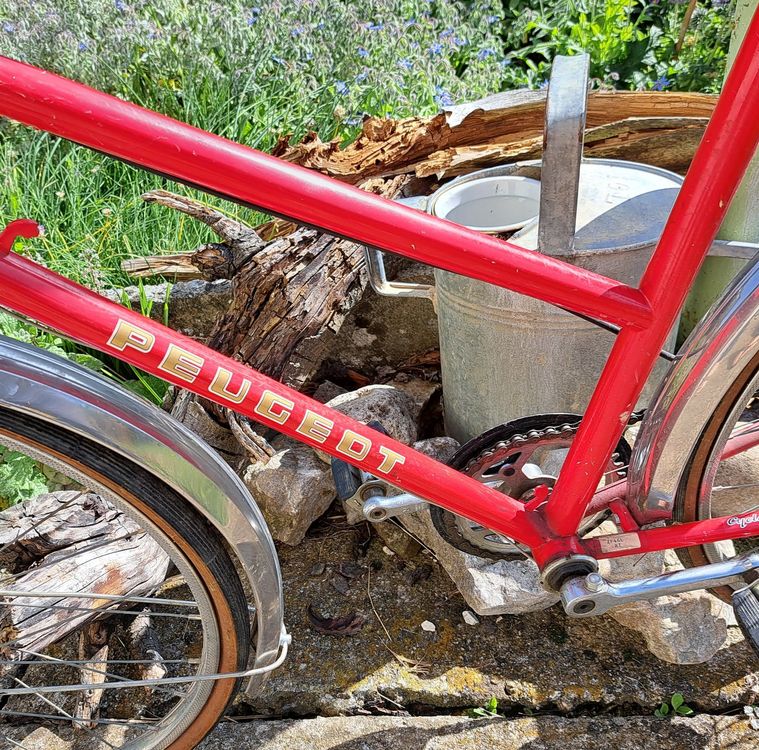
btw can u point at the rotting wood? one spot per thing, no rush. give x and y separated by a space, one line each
93 647
387 147
69 542
663 142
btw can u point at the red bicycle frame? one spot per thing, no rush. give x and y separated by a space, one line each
216 165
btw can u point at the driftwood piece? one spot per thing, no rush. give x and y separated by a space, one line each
69 542
93 649
145 648
387 147
286 292
666 142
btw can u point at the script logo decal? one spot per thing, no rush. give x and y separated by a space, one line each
743 521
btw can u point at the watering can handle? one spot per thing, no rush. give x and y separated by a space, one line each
566 107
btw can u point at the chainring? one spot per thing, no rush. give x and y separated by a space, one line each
515 458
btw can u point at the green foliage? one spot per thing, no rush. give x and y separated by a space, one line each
20 478
631 42
247 73
676 707
488 711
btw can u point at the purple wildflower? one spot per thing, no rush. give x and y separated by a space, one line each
278 60
296 31
8 27
375 26
484 54
435 49
405 63
120 5
362 76
661 83
341 87
352 121
492 19
446 32
363 52
82 46
443 97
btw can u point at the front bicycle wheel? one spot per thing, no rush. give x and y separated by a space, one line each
120 607
721 481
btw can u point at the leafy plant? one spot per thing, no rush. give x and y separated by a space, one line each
20 478
676 707
488 711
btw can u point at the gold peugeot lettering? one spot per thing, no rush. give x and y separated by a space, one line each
220 385
274 407
181 363
316 427
348 443
125 334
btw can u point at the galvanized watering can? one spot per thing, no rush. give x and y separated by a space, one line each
504 355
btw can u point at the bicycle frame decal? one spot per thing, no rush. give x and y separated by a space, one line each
238 173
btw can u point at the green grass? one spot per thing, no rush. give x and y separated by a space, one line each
255 71
249 75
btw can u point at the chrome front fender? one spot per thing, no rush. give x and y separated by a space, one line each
38 383
717 351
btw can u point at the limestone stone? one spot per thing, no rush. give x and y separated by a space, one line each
292 489
489 587
701 732
684 629
193 306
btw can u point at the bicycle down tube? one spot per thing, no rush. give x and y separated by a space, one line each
236 172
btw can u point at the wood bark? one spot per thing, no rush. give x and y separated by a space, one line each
286 293
69 542
387 147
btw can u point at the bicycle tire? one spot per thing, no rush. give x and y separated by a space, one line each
689 505
198 553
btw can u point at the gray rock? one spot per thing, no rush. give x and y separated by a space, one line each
439 448
292 489
384 331
684 629
421 391
702 732
489 587
327 391
393 408
193 306
456 733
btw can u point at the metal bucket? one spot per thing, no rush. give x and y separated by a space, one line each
506 356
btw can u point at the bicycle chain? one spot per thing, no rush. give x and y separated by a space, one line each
564 430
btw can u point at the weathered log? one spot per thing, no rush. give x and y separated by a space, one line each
286 292
666 142
93 648
387 147
69 542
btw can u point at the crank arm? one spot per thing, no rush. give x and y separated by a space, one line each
593 594
380 508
